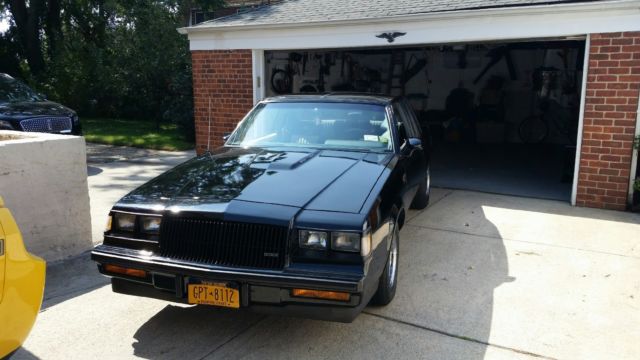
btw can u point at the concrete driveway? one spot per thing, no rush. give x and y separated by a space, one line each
481 276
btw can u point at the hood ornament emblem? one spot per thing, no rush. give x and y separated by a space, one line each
391 36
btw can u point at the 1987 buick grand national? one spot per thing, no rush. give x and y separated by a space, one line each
297 214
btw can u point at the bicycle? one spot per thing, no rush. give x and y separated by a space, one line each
535 128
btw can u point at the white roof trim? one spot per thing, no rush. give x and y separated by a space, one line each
443 27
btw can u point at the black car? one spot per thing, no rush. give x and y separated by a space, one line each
297 214
22 109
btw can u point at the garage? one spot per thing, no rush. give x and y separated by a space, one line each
499 117
535 98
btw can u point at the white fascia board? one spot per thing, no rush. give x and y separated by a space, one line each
434 28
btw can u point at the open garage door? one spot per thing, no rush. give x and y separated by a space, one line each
500 117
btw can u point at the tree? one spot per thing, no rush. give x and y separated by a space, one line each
106 58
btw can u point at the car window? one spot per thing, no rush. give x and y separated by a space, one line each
412 121
12 90
408 120
401 120
316 124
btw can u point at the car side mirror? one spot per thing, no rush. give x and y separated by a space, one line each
42 96
226 137
415 142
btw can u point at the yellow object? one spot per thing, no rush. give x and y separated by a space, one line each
22 278
216 295
319 294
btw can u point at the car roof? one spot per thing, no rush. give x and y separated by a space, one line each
353 98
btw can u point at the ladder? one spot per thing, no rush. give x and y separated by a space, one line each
395 81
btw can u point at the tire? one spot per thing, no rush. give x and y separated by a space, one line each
281 82
533 130
8 356
421 200
389 278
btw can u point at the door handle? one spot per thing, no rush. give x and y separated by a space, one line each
1 247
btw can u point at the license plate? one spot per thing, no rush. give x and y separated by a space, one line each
217 295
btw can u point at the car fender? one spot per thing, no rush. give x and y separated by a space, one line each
23 286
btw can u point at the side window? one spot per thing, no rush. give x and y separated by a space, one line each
413 127
401 120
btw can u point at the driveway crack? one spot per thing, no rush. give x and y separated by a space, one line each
430 206
459 337
521 241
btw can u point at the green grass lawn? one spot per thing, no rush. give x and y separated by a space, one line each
137 133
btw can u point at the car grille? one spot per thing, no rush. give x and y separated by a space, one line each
223 243
46 124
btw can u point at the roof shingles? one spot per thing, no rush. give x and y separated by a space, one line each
310 11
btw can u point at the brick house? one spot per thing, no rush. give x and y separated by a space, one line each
582 57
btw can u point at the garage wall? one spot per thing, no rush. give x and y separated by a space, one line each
222 92
609 120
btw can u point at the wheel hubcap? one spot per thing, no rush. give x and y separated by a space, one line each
393 263
428 180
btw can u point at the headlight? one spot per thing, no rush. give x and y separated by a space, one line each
124 222
151 224
313 239
346 241
6 125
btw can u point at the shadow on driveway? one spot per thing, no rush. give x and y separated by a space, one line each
443 309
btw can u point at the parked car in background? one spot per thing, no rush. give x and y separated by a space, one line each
22 109
22 278
298 214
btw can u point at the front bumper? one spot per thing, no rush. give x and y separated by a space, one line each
264 291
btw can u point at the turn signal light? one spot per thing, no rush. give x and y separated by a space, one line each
319 294
125 271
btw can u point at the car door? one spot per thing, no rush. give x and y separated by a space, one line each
413 163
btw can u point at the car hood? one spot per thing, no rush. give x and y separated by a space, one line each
324 180
26 109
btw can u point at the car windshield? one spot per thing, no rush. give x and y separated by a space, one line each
12 90
341 126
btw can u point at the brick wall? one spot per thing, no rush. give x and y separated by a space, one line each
610 115
222 92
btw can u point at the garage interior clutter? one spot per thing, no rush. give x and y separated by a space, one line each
501 117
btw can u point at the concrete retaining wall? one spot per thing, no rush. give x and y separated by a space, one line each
43 180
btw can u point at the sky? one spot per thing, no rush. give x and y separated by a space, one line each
4 25
4 21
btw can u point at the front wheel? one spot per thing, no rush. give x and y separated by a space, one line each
421 200
389 278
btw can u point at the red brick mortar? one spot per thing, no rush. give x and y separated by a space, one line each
222 92
610 116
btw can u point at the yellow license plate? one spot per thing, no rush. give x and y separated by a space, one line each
217 295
